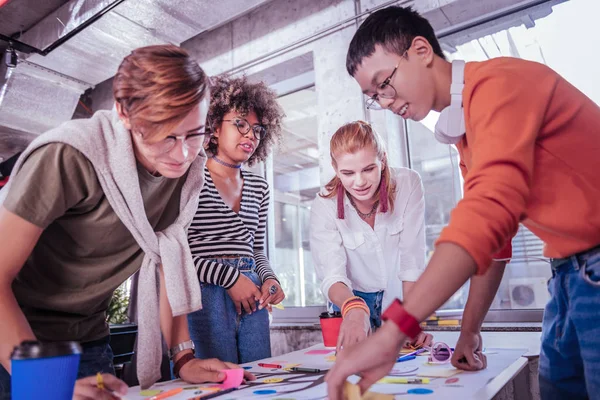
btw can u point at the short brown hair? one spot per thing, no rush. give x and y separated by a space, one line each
237 94
349 139
157 87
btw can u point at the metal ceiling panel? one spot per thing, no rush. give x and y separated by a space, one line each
33 100
95 53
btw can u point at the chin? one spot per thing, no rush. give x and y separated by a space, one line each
364 197
172 173
418 117
243 157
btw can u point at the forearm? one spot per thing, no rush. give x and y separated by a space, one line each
18 237
174 329
339 293
14 328
406 288
449 268
481 295
216 273
263 268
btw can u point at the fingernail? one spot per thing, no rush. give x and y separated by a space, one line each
261 301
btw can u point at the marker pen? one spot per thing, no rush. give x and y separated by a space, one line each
269 365
300 369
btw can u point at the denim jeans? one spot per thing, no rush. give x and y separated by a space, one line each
96 356
570 353
219 332
374 301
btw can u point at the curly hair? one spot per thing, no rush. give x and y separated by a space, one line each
237 94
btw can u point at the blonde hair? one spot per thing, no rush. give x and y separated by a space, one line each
157 87
349 139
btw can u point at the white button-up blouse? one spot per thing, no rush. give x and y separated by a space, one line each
365 259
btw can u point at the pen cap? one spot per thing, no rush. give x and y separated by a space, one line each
44 370
330 327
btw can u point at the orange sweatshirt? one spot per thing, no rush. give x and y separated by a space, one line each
532 155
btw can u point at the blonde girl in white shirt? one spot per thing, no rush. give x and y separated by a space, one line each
367 230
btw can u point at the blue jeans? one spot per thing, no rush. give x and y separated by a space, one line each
96 356
219 332
570 353
374 301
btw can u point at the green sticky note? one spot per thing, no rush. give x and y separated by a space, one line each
150 392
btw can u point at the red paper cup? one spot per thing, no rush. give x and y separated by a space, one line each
330 327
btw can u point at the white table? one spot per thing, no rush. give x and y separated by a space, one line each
503 366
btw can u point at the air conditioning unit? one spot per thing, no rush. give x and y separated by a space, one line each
528 292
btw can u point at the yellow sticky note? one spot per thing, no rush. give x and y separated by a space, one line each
288 367
210 388
352 392
377 396
278 306
273 380
147 393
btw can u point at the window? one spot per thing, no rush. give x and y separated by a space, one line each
524 283
295 169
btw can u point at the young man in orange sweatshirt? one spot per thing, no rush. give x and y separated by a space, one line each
530 153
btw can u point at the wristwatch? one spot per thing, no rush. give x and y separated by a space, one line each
405 321
188 344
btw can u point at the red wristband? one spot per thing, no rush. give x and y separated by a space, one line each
405 322
186 358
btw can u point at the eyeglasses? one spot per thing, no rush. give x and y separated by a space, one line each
385 90
439 352
243 127
192 141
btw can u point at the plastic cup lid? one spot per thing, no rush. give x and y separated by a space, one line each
34 349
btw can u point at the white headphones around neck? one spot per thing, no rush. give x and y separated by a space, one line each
450 127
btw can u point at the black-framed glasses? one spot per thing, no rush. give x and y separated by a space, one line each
243 127
384 91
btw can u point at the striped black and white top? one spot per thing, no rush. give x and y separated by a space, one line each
217 231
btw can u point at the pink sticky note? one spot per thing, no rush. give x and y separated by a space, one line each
319 351
233 378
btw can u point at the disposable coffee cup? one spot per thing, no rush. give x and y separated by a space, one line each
330 327
44 370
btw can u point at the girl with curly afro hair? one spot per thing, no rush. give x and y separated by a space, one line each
227 236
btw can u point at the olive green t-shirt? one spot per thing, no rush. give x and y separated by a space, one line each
85 251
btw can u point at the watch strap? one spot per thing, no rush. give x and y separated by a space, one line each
405 321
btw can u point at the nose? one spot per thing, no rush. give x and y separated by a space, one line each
359 181
249 135
385 103
180 152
